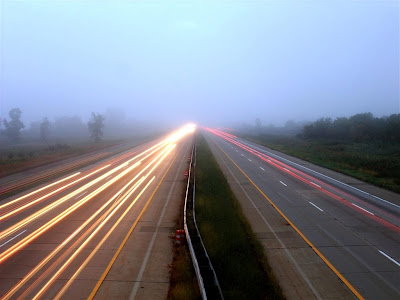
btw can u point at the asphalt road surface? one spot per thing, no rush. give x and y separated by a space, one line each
351 227
101 232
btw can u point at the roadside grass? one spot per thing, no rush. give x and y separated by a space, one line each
373 162
24 157
183 281
236 254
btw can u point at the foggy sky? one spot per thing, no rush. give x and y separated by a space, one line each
207 63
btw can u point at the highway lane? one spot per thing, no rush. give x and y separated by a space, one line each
58 241
358 238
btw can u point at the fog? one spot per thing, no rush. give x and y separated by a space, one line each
214 63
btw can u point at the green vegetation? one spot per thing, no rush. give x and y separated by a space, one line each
183 280
361 146
95 126
373 161
358 128
13 127
237 256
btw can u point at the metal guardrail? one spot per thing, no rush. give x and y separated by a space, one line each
205 273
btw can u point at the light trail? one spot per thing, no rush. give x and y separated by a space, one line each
6 254
64 243
295 173
17 210
55 251
13 238
37 191
92 226
93 230
97 228
70 281
87 260
50 207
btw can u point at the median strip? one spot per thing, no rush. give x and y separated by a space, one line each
236 254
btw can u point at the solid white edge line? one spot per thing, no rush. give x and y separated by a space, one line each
315 184
12 238
283 183
388 257
270 153
315 206
363 209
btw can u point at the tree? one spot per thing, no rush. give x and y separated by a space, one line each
362 126
95 126
44 129
14 126
318 129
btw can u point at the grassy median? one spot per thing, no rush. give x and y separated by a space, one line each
183 280
237 256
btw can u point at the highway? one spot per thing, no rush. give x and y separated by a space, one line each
100 232
327 235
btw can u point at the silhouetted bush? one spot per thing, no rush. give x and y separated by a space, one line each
360 128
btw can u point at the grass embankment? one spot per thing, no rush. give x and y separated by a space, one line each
237 256
24 157
183 281
373 162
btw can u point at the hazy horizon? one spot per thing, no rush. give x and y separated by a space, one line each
211 63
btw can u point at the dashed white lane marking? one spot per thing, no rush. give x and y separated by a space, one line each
241 154
249 159
262 168
12 238
237 151
315 206
330 178
362 209
81 195
283 183
388 257
315 184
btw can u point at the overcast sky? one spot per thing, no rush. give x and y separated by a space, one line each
210 62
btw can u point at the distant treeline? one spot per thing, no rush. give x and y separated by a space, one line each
360 127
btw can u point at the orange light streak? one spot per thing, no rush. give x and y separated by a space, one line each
97 227
87 260
16 247
73 246
66 241
38 190
87 240
51 206
114 207
16 210
6 254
